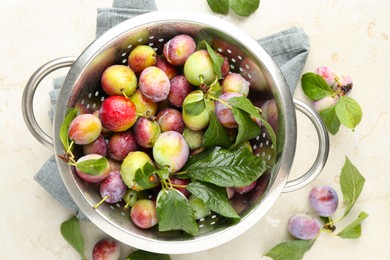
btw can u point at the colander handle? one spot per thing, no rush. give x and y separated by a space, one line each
323 149
28 97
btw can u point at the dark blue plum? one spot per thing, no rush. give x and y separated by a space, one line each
324 200
113 188
303 227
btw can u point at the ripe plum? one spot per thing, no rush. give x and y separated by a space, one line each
338 82
103 173
225 68
200 120
344 84
178 49
170 151
154 84
106 249
167 67
194 139
170 119
180 182
84 129
82 108
141 57
234 82
327 74
325 103
180 88
114 165
270 113
143 105
133 161
224 114
324 200
146 132
303 227
120 144
198 68
112 188
99 146
118 113
144 214
245 189
119 80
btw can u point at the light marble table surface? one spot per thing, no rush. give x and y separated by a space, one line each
351 36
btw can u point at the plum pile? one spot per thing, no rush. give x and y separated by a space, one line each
154 117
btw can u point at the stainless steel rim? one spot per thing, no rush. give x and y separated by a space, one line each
283 167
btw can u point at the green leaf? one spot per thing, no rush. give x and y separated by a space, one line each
244 104
291 250
244 7
215 58
93 166
70 230
194 108
270 131
145 255
353 230
330 120
247 128
175 213
219 6
71 114
163 174
214 197
315 87
351 182
146 177
226 168
348 111
215 134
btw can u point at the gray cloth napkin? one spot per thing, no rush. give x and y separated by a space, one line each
288 48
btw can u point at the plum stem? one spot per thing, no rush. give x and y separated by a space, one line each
179 186
127 205
332 222
201 79
147 115
330 225
68 156
168 183
123 93
180 173
204 87
165 183
100 202
259 109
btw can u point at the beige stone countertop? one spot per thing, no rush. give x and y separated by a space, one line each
352 37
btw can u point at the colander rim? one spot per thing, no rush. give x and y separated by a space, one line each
200 243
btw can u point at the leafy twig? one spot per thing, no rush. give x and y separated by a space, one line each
351 182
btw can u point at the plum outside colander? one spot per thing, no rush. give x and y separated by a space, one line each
245 56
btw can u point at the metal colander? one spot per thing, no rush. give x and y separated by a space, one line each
245 56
